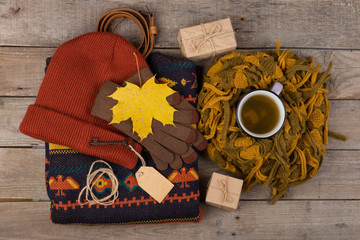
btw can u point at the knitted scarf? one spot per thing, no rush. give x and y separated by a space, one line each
292 156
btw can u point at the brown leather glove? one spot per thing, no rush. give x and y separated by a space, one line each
168 145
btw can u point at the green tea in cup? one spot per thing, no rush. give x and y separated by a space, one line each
261 113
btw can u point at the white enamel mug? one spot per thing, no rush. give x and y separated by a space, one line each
273 94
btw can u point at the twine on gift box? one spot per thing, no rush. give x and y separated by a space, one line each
226 195
214 31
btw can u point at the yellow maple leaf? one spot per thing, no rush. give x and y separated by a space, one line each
143 105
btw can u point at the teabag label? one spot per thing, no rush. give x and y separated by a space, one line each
152 182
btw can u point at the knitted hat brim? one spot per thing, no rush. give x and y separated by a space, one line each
66 130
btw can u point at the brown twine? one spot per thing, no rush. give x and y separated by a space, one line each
225 193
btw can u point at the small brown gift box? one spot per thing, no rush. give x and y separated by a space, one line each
223 191
207 40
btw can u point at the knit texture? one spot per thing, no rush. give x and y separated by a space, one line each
292 156
61 113
66 171
178 73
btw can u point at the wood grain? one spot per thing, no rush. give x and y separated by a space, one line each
22 70
344 119
12 110
258 24
22 173
338 178
344 115
326 207
345 83
22 177
321 220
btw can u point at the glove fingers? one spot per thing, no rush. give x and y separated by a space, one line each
182 104
177 163
190 156
174 99
179 103
186 112
157 150
184 133
200 143
170 142
186 116
159 164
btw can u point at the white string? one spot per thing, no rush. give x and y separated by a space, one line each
90 183
138 154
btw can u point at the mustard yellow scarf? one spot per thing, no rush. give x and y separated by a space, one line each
292 156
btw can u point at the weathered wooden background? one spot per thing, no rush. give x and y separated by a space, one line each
326 207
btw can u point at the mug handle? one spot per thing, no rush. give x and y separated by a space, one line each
277 88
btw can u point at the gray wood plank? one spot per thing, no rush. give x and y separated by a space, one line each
344 119
344 115
258 24
345 82
338 177
12 110
22 173
22 70
253 220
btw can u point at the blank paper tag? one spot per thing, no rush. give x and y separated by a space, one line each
152 182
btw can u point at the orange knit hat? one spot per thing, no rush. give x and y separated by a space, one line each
61 113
